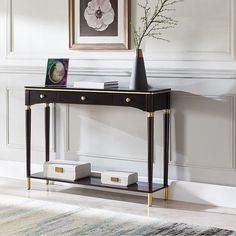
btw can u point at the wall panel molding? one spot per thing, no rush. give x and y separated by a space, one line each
228 56
12 145
124 73
9 29
93 155
233 29
110 157
230 165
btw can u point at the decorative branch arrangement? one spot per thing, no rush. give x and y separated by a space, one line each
154 22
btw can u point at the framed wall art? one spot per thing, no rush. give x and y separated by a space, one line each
99 24
57 71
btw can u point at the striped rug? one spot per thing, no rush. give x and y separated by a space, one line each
28 217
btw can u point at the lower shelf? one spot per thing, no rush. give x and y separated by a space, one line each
96 181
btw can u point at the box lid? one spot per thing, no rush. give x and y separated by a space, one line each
69 165
118 173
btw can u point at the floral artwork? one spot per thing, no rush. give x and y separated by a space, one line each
99 14
98 18
99 24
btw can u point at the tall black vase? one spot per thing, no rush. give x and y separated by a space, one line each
138 78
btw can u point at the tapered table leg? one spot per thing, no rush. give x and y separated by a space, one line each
28 144
47 134
150 129
166 119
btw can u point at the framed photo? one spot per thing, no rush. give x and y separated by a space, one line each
57 71
99 24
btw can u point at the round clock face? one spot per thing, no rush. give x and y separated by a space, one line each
57 72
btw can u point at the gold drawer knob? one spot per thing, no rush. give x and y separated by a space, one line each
42 96
128 100
83 98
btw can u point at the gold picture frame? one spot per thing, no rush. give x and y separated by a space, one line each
83 36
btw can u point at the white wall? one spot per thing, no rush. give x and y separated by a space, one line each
199 65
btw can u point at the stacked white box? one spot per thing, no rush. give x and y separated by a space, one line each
66 170
119 178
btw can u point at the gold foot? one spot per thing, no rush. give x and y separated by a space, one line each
47 182
150 200
28 183
166 194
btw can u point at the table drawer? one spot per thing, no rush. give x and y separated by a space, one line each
130 100
85 98
36 97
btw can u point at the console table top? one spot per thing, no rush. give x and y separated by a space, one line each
116 90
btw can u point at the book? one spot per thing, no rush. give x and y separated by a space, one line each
96 85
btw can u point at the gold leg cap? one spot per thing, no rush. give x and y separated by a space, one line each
150 200
47 182
28 184
166 194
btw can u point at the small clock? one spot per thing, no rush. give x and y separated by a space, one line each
57 71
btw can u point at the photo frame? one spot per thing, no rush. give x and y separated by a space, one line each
57 72
99 24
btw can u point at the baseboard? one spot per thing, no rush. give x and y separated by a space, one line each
16 170
208 194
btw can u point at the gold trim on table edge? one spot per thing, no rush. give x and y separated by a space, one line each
97 91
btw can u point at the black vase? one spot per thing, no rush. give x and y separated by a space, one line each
138 78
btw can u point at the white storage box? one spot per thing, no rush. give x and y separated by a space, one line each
66 170
119 178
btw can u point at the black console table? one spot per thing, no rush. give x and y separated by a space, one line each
148 101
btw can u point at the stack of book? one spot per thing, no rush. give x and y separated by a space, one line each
96 84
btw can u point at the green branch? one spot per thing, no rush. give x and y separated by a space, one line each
154 23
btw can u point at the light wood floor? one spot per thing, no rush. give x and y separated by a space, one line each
170 210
